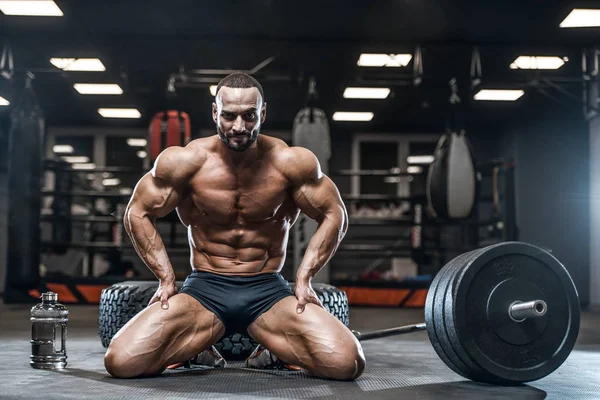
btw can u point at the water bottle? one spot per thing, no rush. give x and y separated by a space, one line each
49 333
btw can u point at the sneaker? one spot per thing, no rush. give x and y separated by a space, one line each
262 358
208 358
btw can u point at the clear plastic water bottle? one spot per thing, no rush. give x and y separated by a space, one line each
49 333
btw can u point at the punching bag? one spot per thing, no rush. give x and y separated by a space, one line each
26 137
169 128
452 182
311 131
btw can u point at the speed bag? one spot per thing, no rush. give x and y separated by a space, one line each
452 182
170 128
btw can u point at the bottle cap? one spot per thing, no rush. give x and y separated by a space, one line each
49 296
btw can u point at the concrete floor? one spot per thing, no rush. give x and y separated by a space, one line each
399 367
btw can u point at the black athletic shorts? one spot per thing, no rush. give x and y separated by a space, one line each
236 300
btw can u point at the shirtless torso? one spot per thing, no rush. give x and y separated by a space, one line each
238 194
239 218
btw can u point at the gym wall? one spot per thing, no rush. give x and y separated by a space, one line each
594 223
3 199
551 150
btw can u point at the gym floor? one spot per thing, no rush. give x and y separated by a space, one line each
397 367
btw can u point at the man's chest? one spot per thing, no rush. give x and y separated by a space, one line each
251 194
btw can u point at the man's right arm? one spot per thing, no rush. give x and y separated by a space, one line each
156 195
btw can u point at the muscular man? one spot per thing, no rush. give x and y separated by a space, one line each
238 194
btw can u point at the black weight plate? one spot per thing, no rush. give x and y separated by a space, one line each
433 322
445 311
502 361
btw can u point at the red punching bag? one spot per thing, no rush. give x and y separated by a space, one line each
170 128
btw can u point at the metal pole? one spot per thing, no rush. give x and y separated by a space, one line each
390 332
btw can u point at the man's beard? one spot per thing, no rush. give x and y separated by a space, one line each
239 147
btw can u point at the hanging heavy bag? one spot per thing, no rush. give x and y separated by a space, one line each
452 182
26 135
169 128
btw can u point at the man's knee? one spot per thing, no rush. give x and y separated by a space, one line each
346 365
121 365
350 366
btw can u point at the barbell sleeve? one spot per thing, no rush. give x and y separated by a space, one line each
390 332
520 311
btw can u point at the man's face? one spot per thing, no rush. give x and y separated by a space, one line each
238 114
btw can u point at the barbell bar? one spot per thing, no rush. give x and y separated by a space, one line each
518 311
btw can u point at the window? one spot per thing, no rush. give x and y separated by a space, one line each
119 153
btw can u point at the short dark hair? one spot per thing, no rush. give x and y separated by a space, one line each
240 80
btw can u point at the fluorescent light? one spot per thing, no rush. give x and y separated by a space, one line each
499 95
413 169
98 88
78 64
352 116
383 60
137 142
213 90
76 159
63 149
366 93
141 154
119 113
582 18
538 62
420 159
35 8
111 182
86 166
4 102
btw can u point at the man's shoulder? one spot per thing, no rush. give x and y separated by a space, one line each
177 163
297 163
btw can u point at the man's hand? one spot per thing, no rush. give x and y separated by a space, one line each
164 291
305 294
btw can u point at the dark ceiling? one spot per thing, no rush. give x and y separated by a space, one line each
143 43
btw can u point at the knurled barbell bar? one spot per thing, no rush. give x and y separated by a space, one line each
504 314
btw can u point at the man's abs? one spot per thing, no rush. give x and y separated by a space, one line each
236 244
238 251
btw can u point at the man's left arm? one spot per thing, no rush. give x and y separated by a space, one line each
317 196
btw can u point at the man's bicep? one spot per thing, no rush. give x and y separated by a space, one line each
318 198
154 197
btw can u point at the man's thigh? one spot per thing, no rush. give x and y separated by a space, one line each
156 338
314 340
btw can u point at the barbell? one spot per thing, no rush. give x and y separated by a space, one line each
504 314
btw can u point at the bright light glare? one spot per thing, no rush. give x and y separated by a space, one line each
366 93
63 149
499 95
420 159
538 62
137 142
383 60
582 18
78 64
33 8
352 116
119 113
98 88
